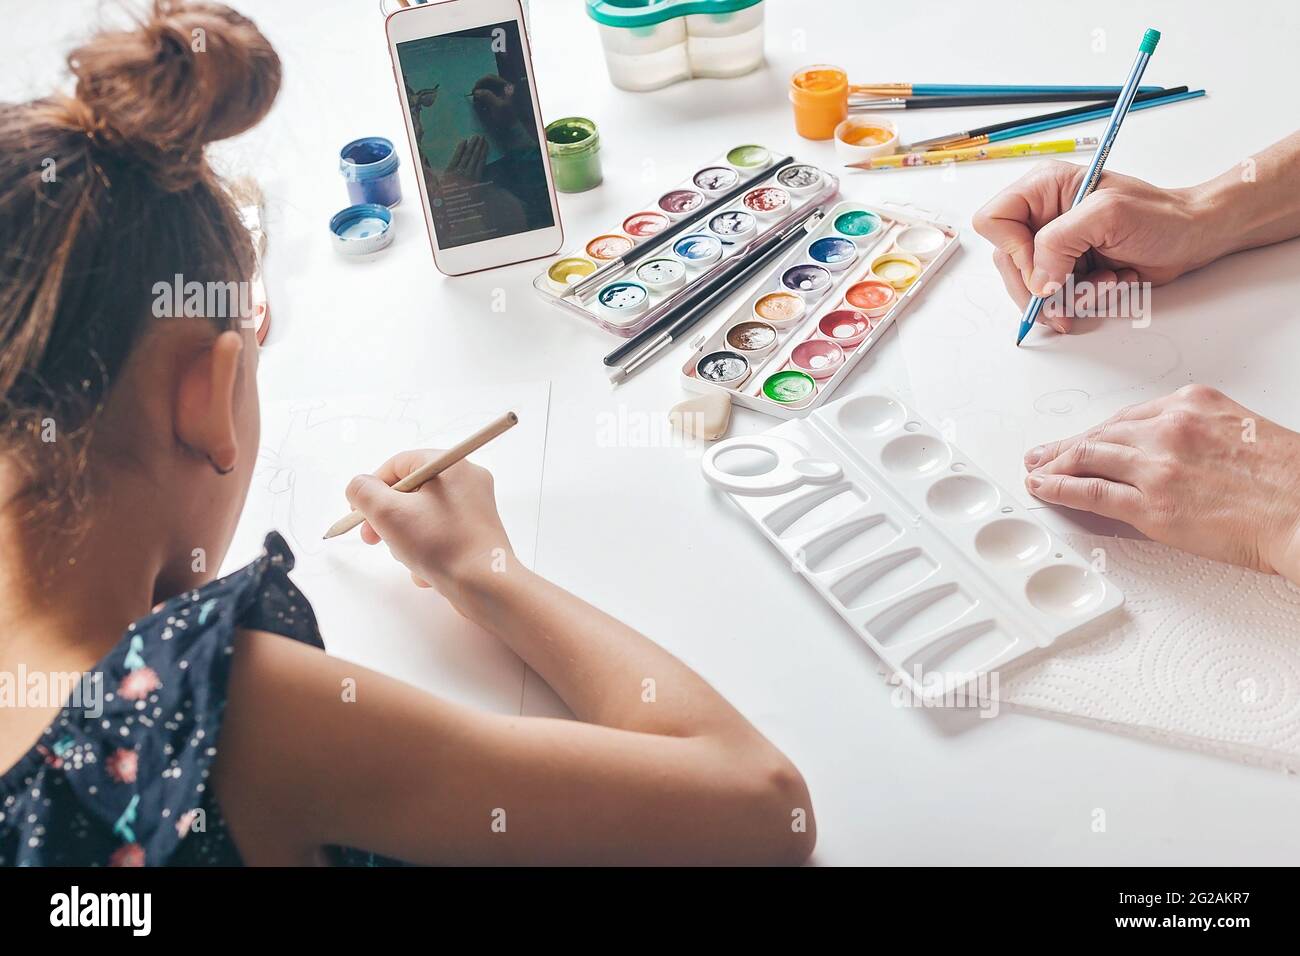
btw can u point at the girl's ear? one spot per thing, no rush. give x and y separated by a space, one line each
205 401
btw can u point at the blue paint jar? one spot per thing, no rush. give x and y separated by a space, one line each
369 167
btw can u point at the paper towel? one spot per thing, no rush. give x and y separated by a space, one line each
1203 654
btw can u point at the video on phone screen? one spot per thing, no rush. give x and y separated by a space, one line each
479 148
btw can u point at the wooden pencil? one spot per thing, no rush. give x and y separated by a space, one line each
433 468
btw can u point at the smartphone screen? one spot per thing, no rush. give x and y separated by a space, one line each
479 146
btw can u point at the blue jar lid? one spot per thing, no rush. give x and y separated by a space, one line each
361 229
371 157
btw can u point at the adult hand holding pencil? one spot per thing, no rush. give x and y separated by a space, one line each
1127 231
1093 175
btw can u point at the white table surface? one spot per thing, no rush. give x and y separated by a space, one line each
634 528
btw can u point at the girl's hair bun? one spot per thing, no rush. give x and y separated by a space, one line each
188 75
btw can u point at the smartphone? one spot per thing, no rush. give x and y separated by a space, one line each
465 77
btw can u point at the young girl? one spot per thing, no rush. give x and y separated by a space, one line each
222 733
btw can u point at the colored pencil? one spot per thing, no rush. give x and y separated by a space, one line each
656 242
1031 128
959 89
943 142
433 468
643 347
941 157
1122 105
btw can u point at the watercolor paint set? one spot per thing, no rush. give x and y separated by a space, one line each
703 234
821 308
934 566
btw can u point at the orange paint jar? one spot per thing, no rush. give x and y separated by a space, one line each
820 96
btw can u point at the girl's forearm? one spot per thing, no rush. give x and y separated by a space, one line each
1256 203
605 671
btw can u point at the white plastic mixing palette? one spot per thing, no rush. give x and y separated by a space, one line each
626 299
835 327
940 571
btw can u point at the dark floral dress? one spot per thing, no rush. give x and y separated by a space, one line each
122 777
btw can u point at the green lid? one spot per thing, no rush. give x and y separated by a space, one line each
1149 41
573 134
646 13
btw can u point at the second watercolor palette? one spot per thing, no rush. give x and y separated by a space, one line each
628 299
821 308
939 570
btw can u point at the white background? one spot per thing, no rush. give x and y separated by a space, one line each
634 529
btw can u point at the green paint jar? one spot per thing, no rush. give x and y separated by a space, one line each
574 147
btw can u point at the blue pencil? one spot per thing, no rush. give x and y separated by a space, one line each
1030 128
1122 105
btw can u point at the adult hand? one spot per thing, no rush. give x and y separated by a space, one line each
1192 469
1126 231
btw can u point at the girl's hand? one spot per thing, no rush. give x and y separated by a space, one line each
447 532
1192 469
1126 231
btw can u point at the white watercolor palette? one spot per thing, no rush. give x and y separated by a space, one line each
813 334
795 191
938 569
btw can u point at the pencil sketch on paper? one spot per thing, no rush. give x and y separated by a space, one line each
289 468
367 607
998 401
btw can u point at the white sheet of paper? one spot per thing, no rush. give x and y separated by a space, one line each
1226 325
368 609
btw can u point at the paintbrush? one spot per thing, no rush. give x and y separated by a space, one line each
1037 127
961 89
638 252
645 346
433 468
965 137
873 104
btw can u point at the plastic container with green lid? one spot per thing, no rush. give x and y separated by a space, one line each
653 43
574 147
